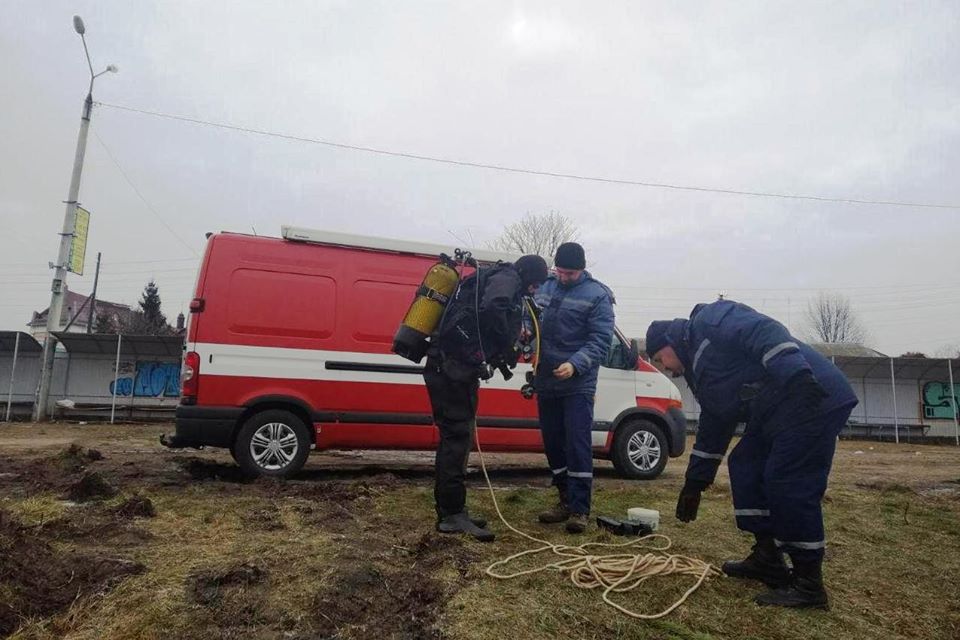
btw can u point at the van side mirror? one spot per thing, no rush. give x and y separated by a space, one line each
634 351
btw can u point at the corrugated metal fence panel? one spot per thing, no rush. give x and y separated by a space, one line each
142 382
26 377
878 402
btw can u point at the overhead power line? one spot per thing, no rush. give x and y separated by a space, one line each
143 199
535 172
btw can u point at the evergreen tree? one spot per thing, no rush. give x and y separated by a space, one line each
148 320
150 306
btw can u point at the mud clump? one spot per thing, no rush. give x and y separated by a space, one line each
37 581
380 603
365 599
200 469
91 486
137 506
235 597
208 587
75 458
52 472
435 550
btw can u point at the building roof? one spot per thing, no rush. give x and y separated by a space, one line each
846 349
71 305
104 344
18 341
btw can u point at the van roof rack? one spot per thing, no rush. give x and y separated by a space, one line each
318 236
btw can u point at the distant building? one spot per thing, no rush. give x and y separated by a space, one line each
72 304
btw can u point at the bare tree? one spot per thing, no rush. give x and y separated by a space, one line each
949 351
830 318
537 233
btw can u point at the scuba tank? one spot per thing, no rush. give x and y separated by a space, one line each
426 310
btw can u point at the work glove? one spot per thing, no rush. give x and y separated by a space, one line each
689 501
806 390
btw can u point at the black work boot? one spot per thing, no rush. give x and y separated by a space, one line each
578 523
765 563
805 592
479 521
461 523
560 512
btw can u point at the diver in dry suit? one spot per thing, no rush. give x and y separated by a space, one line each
746 367
459 355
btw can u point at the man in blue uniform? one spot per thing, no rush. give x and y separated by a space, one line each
576 327
746 367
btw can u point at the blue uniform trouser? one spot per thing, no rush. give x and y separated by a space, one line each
566 424
778 475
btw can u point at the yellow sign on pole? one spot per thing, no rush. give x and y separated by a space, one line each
78 247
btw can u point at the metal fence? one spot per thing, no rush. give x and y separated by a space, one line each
138 376
94 376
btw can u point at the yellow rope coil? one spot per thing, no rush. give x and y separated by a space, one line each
614 573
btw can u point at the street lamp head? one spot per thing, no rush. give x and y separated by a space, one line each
78 25
112 68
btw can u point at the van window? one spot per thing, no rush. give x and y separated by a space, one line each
619 357
377 318
288 305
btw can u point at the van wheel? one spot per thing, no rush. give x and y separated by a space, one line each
272 443
639 450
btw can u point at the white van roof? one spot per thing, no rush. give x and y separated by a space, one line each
319 236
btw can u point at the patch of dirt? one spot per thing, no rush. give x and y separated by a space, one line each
91 486
235 597
267 518
51 472
884 486
201 470
400 600
38 581
95 530
949 489
383 603
435 550
207 587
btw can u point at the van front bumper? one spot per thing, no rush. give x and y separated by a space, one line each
203 427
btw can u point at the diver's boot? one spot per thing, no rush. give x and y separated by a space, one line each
461 523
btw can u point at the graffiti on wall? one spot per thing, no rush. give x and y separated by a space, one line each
937 404
148 380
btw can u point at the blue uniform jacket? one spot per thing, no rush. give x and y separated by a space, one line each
726 345
576 326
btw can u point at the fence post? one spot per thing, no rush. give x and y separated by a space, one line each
953 401
116 373
896 417
13 371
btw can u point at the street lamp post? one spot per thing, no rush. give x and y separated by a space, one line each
66 236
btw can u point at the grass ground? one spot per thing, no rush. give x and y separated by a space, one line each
135 541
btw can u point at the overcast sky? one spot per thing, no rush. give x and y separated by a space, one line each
836 99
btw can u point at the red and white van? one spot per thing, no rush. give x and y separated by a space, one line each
288 349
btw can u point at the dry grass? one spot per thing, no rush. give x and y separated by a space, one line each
347 552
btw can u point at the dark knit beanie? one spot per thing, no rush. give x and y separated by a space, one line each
657 336
532 270
570 256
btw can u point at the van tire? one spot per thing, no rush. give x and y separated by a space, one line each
640 450
278 428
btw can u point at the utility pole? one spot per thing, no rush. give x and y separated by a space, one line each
93 296
66 237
